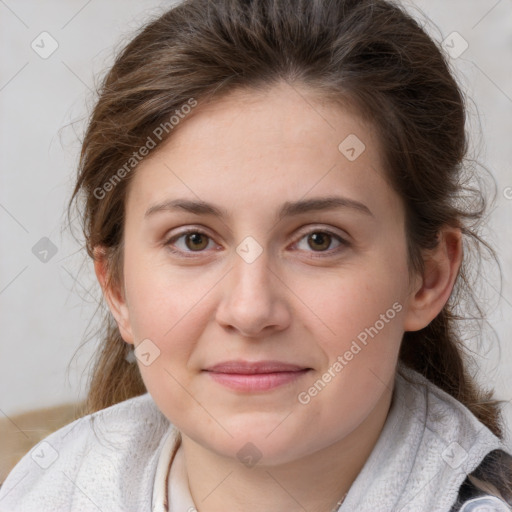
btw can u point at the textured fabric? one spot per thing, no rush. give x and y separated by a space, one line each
105 461
429 444
118 459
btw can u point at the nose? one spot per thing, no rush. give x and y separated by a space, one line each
254 299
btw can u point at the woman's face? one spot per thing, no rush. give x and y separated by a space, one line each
282 276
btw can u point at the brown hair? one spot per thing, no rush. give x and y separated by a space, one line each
367 53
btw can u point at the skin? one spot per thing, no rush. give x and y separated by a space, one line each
287 305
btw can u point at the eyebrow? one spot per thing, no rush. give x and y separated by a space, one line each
288 209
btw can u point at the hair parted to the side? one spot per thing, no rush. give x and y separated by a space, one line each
369 54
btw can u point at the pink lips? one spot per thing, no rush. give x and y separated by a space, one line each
255 376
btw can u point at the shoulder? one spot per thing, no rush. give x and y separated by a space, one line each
479 463
90 453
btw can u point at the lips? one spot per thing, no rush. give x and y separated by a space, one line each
255 377
250 368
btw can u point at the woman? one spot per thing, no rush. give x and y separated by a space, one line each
272 199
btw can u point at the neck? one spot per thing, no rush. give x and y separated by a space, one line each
317 482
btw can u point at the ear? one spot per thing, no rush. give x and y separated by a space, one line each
432 289
114 295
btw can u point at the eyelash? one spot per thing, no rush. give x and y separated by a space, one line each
315 254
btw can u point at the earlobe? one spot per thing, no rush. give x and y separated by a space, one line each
113 295
442 265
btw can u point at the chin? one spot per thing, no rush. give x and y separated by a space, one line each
264 445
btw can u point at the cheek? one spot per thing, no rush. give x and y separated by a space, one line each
168 311
364 316
353 300
161 300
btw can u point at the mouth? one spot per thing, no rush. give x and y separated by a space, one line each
255 376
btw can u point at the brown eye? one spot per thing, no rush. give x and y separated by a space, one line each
319 241
188 242
195 241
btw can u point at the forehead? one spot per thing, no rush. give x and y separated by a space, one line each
282 115
283 141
